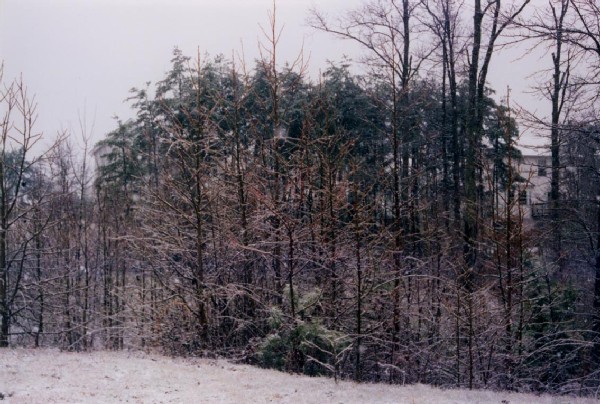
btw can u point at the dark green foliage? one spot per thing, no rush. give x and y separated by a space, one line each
558 347
307 348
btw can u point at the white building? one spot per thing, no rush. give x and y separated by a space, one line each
533 192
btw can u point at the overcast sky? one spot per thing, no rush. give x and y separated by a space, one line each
81 58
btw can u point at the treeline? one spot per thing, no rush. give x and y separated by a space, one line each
362 226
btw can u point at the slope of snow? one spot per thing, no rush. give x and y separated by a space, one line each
51 376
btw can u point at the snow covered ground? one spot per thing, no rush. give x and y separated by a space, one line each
50 376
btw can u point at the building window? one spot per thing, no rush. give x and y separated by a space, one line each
542 167
523 197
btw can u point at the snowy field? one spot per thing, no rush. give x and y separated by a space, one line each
50 376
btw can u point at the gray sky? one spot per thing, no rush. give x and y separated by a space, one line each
81 58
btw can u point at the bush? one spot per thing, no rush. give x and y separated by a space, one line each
307 348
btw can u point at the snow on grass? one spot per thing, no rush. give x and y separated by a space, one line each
51 376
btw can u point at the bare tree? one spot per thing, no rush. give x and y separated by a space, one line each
18 140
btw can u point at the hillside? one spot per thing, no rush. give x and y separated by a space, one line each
51 376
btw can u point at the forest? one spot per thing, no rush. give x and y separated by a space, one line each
364 225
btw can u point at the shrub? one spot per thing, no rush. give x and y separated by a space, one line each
305 347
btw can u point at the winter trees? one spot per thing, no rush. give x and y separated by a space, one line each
370 226
17 139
